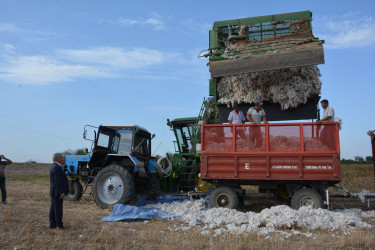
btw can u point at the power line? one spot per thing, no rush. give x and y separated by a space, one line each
38 132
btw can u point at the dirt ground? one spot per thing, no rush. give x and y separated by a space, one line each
24 221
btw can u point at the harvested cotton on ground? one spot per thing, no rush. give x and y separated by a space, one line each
276 219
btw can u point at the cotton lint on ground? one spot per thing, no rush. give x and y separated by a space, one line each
277 219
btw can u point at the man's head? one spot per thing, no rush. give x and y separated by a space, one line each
324 103
235 107
58 157
258 105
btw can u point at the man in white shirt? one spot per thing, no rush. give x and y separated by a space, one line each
236 116
328 112
256 115
327 132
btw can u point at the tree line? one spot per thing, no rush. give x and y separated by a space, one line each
358 160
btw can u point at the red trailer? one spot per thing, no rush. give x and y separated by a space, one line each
300 160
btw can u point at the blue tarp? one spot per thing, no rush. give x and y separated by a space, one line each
122 212
165 198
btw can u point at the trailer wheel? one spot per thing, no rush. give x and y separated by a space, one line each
224 197
75 191
113 185
306 197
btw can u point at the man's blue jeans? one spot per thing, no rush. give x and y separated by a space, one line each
3 189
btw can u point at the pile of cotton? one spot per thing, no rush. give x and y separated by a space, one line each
277 143
289 87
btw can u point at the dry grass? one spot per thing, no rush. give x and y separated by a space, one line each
356 177
24 224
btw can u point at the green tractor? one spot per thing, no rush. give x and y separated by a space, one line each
182 169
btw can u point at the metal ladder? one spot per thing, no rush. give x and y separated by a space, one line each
188 174
88 183
196 126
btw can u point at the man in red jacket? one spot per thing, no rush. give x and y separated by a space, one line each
59 187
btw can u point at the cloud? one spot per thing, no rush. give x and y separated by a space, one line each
7 27
118 57
6 47
43 70
69 65
27 34
156 21
348 31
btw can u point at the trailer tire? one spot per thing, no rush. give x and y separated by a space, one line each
306 197
114 184
75 191
224 197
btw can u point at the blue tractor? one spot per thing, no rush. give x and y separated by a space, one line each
119 168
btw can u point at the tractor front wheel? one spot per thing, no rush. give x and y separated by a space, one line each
113 185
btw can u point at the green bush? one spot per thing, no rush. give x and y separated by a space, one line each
80 151
358 160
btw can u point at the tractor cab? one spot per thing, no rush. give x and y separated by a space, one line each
186 159
183 129
112 141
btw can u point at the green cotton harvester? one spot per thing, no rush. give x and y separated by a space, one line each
269 58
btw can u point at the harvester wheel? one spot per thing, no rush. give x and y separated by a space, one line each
224 197
75 191
113 185
306 197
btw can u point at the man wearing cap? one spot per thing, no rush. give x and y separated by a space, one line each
236 116
326 134
3 162
256 115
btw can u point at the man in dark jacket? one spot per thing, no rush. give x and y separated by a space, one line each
3 162
59 187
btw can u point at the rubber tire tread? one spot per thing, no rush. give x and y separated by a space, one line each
128 182
232 195
78 191
306 192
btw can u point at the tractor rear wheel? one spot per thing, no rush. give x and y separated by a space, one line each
75 191
224 197
306 197
113 185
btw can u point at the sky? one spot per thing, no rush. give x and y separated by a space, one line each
65 64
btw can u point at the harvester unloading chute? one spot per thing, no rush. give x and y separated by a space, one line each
269 58
263 43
